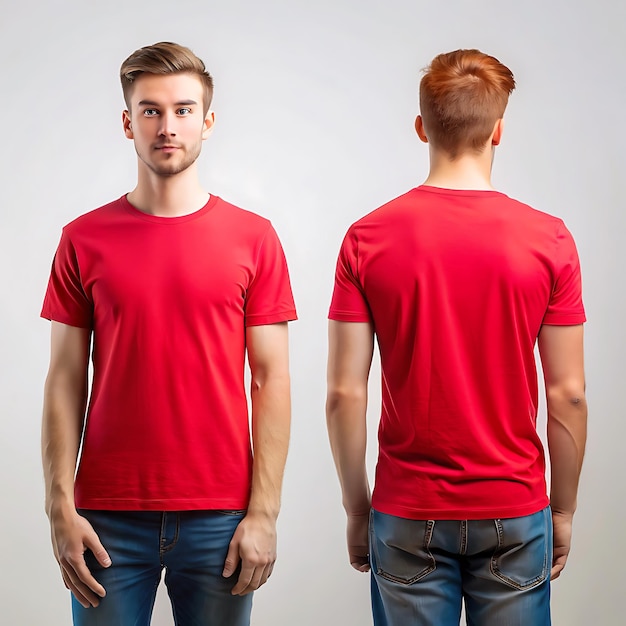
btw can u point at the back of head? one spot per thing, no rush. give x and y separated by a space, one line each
462 95
164 58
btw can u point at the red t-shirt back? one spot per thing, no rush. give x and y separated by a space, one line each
457 285
168 300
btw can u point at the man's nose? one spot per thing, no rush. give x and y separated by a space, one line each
168 124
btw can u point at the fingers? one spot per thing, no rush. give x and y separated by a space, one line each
358 544
361 563
251 578
102 556
85 601
558 564
78 579
256 568
253 548
232 559
71 542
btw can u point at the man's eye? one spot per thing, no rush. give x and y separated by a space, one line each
150 112
184 111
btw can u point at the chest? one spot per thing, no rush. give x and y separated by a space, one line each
156 268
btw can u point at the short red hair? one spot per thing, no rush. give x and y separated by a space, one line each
462 95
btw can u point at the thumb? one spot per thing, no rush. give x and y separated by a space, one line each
232 559
93 543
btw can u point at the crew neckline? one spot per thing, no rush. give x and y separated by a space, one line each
160 219
460 192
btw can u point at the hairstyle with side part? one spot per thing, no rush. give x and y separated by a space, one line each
164 58
462 95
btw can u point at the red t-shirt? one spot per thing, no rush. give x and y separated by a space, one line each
457 285
168 300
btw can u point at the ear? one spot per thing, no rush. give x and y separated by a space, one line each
126 124
419 129
207 127
498 129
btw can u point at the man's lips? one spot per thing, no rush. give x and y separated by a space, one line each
167 147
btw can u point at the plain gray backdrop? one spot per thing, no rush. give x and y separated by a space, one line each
314 103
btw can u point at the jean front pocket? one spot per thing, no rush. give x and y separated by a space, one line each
522 558
401 548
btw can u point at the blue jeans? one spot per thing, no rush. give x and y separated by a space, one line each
190 545
423 570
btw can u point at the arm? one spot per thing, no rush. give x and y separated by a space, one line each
350 350
254 541
65 398
561 350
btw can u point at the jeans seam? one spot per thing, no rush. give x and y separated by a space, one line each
163 549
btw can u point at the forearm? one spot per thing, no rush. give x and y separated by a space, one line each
347 431
350 350
567 433
63 414
271 418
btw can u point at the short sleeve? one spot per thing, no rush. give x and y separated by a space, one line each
269 298
65 300
566 304
348 303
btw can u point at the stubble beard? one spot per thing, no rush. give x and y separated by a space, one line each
173 166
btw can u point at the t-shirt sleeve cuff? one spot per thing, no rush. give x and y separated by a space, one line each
345 316
564 319
271 318
63 318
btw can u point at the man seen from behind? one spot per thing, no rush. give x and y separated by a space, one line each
457 283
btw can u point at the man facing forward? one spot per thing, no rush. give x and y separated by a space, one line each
458 282
172 287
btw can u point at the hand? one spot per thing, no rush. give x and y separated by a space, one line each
72 535
562 538
254 545
358 541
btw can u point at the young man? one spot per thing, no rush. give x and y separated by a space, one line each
168 287
458 282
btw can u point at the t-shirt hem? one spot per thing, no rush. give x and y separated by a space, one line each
495 512
260 320
165 504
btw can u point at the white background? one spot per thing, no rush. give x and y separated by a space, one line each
314 104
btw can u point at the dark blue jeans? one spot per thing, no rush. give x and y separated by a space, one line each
423 570
190 545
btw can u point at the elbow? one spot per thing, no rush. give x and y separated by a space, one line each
338 394
568 396
262 380
570 391
339 399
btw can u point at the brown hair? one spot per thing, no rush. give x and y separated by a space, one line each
164 58
462 95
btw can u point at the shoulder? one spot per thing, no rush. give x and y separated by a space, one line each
393 208
241 221
383 223
532 214
94 218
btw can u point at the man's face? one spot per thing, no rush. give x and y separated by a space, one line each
167 122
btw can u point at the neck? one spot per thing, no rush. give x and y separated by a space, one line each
468 171
168 196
